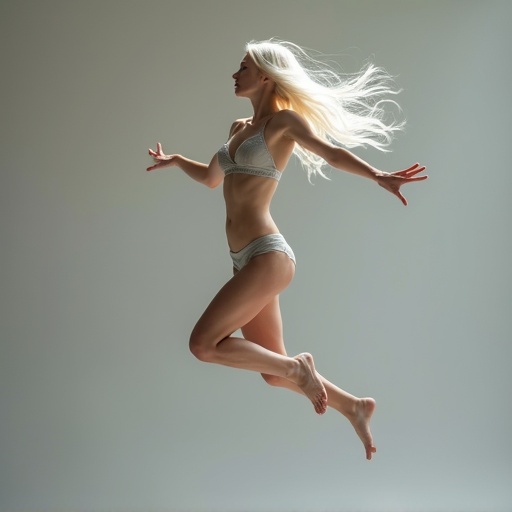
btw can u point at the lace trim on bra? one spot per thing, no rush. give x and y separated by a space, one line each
255 171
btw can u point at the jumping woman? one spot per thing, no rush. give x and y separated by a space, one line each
303 108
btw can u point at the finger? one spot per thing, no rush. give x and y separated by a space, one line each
369 451
157 165
410 172
159 147
401 197
411 168
418 178
409 175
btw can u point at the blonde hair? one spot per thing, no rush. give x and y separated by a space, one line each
346 109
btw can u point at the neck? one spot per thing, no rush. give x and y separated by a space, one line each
263 106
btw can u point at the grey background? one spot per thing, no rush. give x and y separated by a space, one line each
105 268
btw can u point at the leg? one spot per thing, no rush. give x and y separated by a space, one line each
266 329
236 304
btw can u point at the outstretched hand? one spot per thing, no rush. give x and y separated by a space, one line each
161 159
394 180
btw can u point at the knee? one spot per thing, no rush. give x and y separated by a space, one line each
201 347
271 380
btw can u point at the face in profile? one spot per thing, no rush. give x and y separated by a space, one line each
248 78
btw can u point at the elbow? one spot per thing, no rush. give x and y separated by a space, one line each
332 155
212 182
214 179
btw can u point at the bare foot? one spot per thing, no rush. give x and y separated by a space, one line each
361 423
309 382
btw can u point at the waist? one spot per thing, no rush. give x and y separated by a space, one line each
240 232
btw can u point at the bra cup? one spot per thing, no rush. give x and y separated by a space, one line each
253 151
251 157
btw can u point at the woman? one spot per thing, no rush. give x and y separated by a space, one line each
298 107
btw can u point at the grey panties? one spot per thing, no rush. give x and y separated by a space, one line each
262 245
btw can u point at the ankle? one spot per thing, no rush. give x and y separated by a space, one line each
293 370
348 407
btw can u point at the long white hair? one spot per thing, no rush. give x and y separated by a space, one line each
346 109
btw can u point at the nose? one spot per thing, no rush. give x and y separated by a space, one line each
235 75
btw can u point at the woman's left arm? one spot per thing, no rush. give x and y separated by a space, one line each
298 130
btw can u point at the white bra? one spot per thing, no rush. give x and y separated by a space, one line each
251 157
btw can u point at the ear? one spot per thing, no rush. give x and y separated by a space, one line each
266 79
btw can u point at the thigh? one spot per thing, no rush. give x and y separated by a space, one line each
245 295
266 328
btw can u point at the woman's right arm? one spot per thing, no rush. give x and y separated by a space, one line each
210 175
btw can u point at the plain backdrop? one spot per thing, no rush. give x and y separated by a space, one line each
105 268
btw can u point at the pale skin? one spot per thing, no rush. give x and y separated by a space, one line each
250 300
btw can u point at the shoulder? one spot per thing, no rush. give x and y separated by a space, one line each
291 124
286 117
237 126
289 120
297 128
